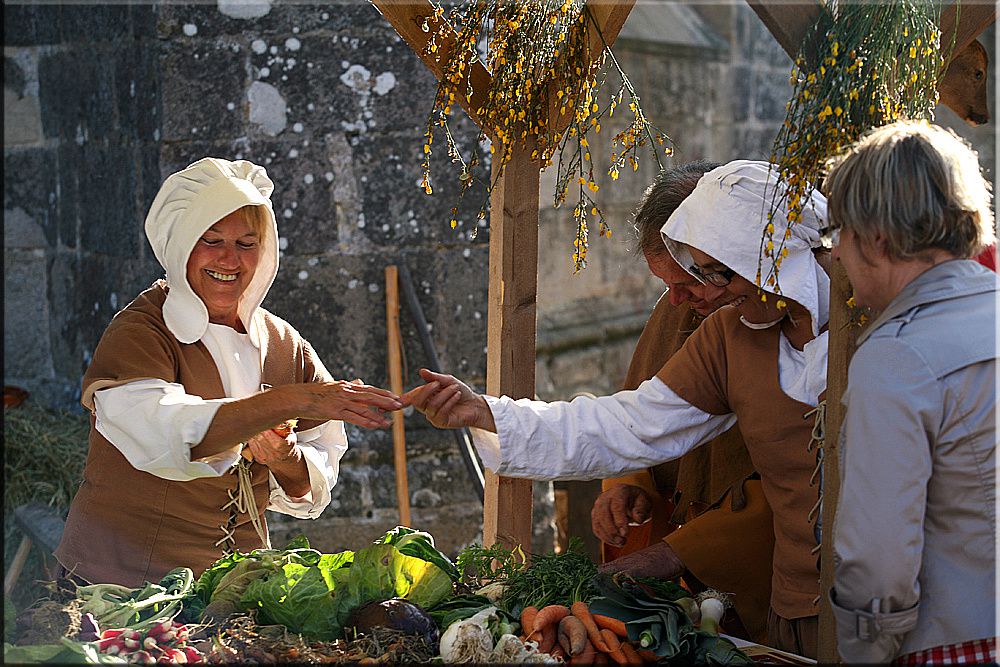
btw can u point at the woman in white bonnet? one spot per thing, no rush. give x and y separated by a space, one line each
752 361
205 408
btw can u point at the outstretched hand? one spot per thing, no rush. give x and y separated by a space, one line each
353 402
617 508
657 560
447 402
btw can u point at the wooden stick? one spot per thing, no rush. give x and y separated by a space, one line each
396 386
20 558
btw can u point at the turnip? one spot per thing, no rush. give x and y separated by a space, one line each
712 605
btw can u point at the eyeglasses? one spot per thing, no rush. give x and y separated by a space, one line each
829 237
717 278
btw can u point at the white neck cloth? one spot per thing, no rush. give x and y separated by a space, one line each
725 217
188 203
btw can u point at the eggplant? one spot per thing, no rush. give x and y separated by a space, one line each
395 614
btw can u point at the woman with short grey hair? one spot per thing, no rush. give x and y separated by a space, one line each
914 537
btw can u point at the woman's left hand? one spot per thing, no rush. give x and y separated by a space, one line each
270 448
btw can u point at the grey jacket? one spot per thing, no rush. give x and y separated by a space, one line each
915 529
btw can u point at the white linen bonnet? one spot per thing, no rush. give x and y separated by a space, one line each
189 202
725 217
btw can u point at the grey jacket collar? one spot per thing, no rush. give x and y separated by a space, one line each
948 280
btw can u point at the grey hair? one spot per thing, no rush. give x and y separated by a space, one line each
917 185
661 199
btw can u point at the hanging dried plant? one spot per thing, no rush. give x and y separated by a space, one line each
543 97
868 65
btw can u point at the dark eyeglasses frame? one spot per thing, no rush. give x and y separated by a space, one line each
717 278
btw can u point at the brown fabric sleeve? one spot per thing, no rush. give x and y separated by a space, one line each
127 352
697 372
664 333
731 552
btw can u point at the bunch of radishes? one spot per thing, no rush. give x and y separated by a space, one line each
164 642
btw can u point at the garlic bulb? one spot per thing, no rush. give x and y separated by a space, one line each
469 640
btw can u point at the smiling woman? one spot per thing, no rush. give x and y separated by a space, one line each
222 263
192 390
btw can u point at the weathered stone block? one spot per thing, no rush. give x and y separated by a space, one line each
31 185
30 25
204 88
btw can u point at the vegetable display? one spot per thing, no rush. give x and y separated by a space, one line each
399 599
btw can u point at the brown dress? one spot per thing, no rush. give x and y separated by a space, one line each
708 507
126 526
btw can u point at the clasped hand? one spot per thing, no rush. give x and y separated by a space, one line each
269 447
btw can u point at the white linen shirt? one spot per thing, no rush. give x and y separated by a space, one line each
608 436
155 423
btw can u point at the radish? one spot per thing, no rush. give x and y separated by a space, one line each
111 645
193 654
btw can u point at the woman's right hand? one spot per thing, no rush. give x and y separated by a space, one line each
353 402
447 402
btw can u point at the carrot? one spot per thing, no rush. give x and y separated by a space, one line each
615 625
615 645
528 620
548 639
631 655
582 612
600 658
552 613
585 657
572 635
648 656
557 652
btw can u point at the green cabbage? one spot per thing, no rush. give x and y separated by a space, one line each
313 594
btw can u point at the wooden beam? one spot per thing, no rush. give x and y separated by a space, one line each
973 17
408 18
843 339
510 355
788 23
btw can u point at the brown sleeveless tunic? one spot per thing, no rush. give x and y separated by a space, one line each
126 526
723 368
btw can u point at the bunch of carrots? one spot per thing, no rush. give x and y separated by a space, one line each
580 637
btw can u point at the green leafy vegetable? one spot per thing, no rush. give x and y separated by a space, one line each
313 593
480 565
457 608
421 545
660 625
562 578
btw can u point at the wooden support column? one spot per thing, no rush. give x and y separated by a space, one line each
843 340
510 356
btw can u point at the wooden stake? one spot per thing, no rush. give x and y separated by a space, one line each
396 386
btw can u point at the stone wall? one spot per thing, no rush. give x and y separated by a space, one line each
101 102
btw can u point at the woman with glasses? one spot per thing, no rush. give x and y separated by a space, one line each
915 533
761 361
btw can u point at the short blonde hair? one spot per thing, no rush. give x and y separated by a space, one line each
258 217
918 185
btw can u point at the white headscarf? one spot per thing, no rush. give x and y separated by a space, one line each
725 217
188 203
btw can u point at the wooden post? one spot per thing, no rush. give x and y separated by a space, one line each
843 340
510 355
396 386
